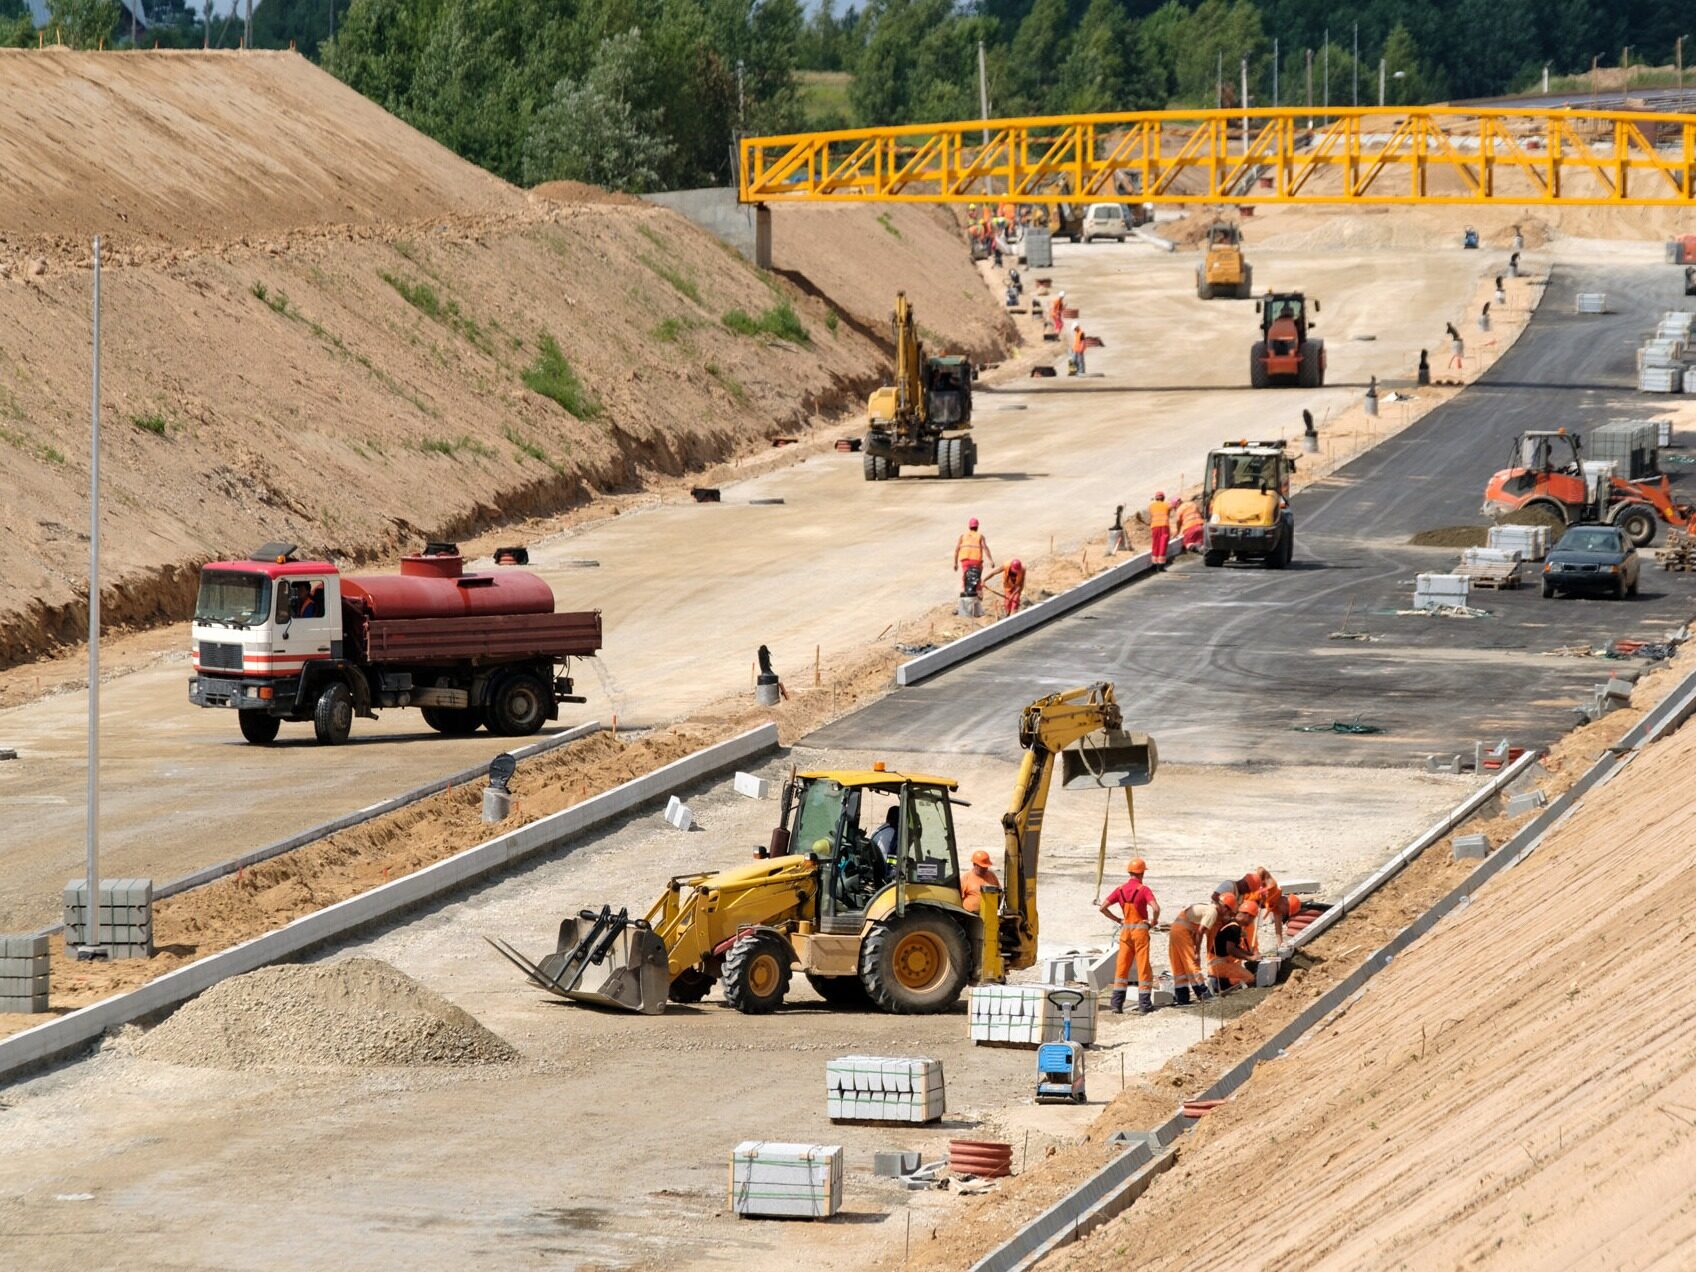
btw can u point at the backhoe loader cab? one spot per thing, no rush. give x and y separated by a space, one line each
1287 351
1246 498
1545 473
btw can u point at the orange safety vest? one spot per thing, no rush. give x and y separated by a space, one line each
1188 515
970 547
1078 340
1159 512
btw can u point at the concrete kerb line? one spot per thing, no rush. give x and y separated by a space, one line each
985 638
69 1033
358 817
1112 1189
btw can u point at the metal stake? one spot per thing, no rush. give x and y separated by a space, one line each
91 911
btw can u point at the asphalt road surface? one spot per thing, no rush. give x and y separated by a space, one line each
1225 665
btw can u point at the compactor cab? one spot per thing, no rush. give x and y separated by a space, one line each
1287 351
1223 271
1246 497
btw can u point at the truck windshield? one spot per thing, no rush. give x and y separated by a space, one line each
229 599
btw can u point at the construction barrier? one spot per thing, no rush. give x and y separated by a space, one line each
68 1033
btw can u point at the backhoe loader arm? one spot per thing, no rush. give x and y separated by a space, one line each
1046 727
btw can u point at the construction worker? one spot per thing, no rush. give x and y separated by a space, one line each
1192 927
1248 918
1057 312
975 880
1078 345
971 554
1138 912
1227 953
1012 586
1159 528
886 837
1191 525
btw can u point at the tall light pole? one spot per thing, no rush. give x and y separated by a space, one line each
1327 68
1678 56
1244 104
1380 81
91 905
1356 61
1274 72
1219 83
1310 90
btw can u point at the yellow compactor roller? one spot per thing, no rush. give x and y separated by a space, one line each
858 889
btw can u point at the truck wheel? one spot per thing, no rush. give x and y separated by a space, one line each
332 718
839 991
1257 376
915 965
518 706
690 985
259 727
756 973
1213 560
456 722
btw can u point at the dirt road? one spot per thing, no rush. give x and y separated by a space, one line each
689 591
607 1144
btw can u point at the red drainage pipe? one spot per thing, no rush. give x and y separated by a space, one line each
987 1159
1199 1108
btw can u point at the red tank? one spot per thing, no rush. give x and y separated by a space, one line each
438 587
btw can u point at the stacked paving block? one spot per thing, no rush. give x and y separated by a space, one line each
1441 591
786 1181
1471 847
23 973
1531 542
126 916
1022 1016
883 1089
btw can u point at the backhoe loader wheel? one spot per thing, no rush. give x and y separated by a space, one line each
756 973
1637 522
690 985
915 965
839 991
948 458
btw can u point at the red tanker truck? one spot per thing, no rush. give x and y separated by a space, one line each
278 639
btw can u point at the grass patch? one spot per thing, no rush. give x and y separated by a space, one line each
684 285
154 423
12 437
830 321
53 456
729 383
888 225
824 98
551 376
654 237
277 301
422 297
779 321
464 444
525 448
671 330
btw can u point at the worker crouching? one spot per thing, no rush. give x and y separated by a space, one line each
1138 913
1230 963
1192 926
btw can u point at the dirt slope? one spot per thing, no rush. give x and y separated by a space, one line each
1517 1090
318 324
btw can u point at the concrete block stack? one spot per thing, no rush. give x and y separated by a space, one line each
1592 302
786 1181
752 787
126 916
1531 542
884 1089
1441 591
678 814
1022 1016
1665 361
23 973
1632 446
1471 847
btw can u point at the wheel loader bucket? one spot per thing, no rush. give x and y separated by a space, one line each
601 957
1109 759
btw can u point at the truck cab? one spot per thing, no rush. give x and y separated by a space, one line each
1247 501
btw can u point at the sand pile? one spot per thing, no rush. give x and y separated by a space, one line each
1452 537
358 1013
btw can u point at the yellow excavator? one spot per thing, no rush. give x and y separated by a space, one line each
858 889
1247 501
925 417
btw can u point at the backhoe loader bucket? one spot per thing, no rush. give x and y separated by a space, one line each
604 958
1109 759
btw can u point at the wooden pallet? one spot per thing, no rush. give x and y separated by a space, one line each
1677 553
1492 577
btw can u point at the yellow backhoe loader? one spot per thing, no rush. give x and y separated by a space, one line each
925 417
1247 501
858 889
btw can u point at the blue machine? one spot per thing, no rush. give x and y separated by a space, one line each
1060 1065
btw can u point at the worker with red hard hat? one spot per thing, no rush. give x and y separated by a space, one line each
975 880
971 555
1012 592
1138 913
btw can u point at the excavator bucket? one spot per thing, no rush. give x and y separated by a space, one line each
1109 759
601 957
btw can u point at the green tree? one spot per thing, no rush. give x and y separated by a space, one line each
591 129
304 23
83 24
1401 57
1096 73
1038 52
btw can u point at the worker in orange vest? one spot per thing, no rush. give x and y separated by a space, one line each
1159 527
1138 912
1228 956
1191 526
1077 349
1012 586
975 880
971 552
1192 928
1057 312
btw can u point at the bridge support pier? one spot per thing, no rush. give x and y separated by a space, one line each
762 236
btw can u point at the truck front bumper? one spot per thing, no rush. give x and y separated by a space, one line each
1252 539
244 693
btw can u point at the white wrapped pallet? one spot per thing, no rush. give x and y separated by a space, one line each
1491 556
1441 591
884 1089
786 1181
1022 1016
1660 379
1663 428
1531 542
1592 302
1689 387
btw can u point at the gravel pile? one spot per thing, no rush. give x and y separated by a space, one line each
359 1013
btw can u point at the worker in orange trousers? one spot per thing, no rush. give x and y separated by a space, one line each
1226 953
1159 528
971 554
1191 928
1138 912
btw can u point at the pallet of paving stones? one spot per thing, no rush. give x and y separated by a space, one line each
1677 553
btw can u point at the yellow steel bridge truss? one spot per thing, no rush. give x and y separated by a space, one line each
1368 155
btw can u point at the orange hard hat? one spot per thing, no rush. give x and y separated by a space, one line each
1292 905
980 858
1228 900
1136 866
1250 908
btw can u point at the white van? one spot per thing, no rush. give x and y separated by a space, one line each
1105 220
